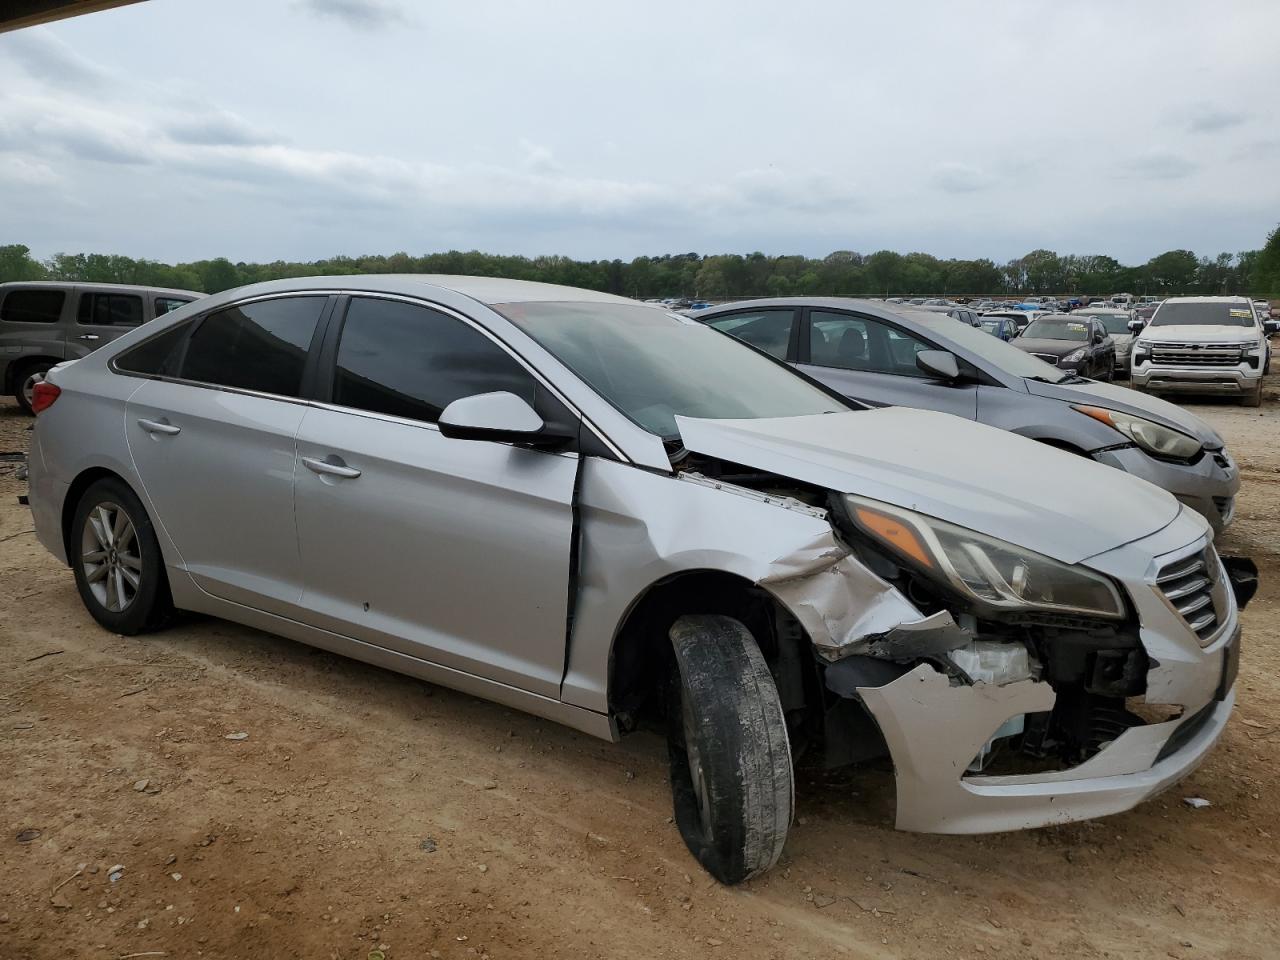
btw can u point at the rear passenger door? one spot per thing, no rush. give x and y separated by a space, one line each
452 551
100 317
875 362
212 433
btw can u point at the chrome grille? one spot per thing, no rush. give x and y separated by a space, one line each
1197 354
1047 358
1189 586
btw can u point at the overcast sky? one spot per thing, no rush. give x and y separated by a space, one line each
296 129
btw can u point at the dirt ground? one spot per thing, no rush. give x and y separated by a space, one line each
365 812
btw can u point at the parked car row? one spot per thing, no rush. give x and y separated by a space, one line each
622 518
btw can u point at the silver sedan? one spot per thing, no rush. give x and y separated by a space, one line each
617 518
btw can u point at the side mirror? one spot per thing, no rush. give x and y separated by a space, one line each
1271 326
1135 326
939 363
500 416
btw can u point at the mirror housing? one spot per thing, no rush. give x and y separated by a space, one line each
939 363
1271 326
499 416
1135 326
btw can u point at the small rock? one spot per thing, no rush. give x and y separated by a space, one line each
429 845
236 736
169 861
176 876
4 918
141 785
1196 803
489 784
1026 941
27 835
1187 943
713 942
116 872
484 868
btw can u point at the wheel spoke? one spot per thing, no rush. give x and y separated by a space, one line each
99 531
97 573
131 578
106 521
96 556
120 598
120 528
130 561
111 604
124 537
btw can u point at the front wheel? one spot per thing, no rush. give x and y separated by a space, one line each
731 774
1253 399
116 557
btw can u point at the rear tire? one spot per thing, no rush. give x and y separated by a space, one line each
24 379
116 558
731 774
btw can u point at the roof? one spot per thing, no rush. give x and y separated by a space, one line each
487 290
1237 299
88 284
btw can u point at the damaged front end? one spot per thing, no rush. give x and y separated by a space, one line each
1000 714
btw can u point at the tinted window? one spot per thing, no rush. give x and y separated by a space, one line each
412 362
109 310
157 356
33 306
769 330
255 346
165 304
1057 328
860 343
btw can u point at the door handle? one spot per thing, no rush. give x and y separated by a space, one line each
159 426
338 469
88 336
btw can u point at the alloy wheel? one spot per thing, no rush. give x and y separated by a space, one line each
111 557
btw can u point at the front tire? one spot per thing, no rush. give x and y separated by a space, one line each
116 558
1253 399
731 774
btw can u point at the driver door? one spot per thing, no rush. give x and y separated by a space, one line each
456 552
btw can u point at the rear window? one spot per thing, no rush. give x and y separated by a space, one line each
1204 315
33 306
259 346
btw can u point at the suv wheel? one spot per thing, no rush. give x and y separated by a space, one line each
1253 399
24 382
118 568
731 775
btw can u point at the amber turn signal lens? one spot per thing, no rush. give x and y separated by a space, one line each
896 534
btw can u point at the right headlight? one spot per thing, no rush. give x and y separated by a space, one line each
990 572
1152 437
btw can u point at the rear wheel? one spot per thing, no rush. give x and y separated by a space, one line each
25 380
116 557
731 774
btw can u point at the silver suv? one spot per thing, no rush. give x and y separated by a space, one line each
1202 345
612 516
44 323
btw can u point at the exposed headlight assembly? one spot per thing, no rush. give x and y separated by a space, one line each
992 573
1073 356
1157 440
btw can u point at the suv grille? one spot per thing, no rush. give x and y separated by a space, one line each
1047 358
1197 354
1188 585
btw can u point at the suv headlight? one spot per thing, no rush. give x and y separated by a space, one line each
1157 440
1073 356
992 573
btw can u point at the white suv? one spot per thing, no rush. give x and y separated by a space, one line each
1202 345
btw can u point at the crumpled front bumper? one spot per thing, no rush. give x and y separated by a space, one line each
934 727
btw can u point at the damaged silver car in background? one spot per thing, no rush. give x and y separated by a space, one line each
619 519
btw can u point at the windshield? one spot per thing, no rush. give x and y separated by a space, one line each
1114 322
992 350
1203 315
653 365
1056 328
991 326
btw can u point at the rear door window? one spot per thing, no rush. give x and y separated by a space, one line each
109 310
259 346
768 330
164 305
861 343
33 306
410 361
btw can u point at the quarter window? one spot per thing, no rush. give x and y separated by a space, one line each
33 306
157 356
255 346
109 310
768 330
409 361
860 343
166 304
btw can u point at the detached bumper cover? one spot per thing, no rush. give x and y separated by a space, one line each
934 729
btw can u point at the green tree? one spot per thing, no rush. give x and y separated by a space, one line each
1264 279
16 263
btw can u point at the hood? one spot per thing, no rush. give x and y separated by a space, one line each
1057 348
1129 401
1198 333
1059 504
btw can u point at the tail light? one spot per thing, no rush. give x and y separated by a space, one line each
43 396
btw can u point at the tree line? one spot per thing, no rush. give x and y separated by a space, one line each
717 276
